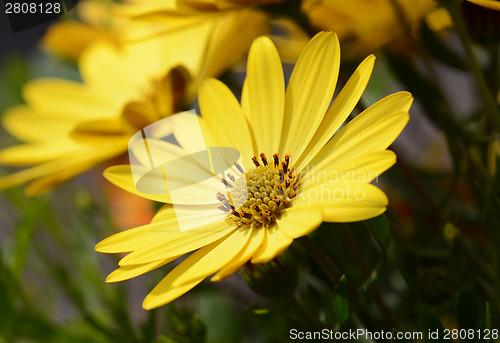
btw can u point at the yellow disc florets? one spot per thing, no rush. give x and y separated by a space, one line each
263 193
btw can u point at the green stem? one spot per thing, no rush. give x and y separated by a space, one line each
494 67
491 105
328 267
301 311
334 276
373 289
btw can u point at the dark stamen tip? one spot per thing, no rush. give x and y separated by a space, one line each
263 158
237 165
276 159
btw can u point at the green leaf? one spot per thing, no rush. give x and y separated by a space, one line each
380 230
467 312
340 302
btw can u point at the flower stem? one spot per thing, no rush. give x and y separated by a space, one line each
373 289
301 311
328 267
491 105
334 275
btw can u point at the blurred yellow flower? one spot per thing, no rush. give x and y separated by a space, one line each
303 168
366 25
70 127
132 21
167 16
69 38
222 4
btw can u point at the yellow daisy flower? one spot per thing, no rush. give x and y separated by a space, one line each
167 16
69 127
313 169
129 23
365 25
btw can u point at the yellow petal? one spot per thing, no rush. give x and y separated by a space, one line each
394 103
366 132
300 221
30 126
129 272
154 151
494 5
136 8
231 36
138 237
224 118
70 38
99 130
105 68
254 242
273 244
348 202
164 213
54 172
339 110
177 243
374 138
69 100
193 193
36 153
121 176
309 92
265 88
215 259
164 293
363 169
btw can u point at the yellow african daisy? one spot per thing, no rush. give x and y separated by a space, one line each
69 127
130 22
167 16
366 25
307 168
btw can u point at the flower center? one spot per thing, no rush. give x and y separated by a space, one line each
263 193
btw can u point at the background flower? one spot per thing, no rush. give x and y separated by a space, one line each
122 91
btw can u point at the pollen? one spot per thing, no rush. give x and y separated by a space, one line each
264 192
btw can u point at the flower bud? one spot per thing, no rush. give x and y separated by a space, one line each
272 279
